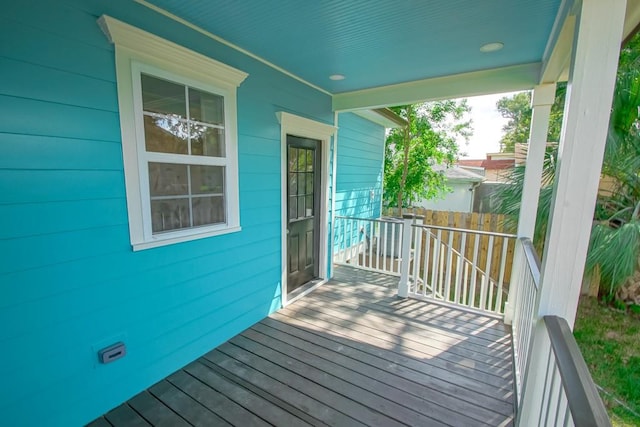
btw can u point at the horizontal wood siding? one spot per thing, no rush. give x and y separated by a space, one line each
360 167
69 281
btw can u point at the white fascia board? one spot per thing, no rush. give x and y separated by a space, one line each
497 80
377 118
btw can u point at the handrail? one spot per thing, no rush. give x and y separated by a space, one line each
383 219
533 261
465 230
583 399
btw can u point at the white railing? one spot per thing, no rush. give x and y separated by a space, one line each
468 268
566 394
370 244
528 281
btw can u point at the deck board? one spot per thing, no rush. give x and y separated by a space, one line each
349 353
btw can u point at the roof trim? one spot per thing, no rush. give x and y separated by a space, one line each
497 80
382 116
229 44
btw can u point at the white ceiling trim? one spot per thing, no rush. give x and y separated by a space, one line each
498 80
228 43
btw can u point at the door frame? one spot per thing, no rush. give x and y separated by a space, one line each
290 124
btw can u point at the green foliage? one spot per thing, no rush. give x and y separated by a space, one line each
411 152
517 108
608 339
508 198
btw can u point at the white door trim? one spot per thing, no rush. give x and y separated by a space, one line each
290 124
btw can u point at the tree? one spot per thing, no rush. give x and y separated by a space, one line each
517 108
614 245
429 138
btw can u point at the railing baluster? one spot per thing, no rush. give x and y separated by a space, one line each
503 266
393 247
465 284
378 242
417 253
425 264
370 243
384 248
463 246
486 277
434 265
474 271
447 282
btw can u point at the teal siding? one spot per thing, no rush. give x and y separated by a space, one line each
360 167
69 281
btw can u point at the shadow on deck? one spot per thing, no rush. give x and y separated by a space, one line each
350 353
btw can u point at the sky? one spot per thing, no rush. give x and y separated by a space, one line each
487 126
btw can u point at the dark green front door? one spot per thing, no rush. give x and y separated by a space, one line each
303 217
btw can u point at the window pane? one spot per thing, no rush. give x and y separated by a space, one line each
310 160
208 210
302 156
293 184
165 135
161 96
207 179
293 207
170 214
168 179
206 107
301 181
309 206
293 159
207 141
309 183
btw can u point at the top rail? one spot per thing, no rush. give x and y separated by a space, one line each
584 402
533 261
383 219
466 230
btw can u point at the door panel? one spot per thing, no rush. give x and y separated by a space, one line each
303 184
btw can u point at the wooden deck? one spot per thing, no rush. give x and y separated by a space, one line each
349 354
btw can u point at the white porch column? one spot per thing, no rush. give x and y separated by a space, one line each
584 131
589 94
541 101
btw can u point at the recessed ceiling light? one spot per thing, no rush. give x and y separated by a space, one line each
336 77
491 47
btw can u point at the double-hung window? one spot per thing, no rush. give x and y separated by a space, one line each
179 138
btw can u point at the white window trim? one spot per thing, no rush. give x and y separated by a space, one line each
136 51
290 124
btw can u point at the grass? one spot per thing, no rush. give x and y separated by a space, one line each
610 343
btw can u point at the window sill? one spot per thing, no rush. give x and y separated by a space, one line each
164 241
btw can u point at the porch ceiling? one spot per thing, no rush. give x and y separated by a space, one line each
380 44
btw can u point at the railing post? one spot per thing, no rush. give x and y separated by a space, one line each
405 254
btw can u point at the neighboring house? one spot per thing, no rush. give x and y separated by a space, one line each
494 165
462 183
170 170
